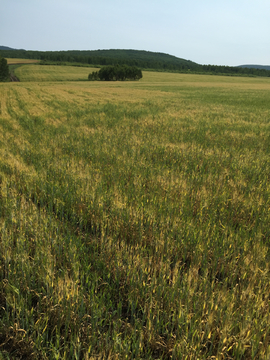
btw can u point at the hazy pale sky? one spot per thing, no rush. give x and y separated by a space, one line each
219 32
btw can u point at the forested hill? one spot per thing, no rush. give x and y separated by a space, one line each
143 59
140 58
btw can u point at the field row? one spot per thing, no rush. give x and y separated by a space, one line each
134 217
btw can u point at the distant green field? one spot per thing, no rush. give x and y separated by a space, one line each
134 216
52 73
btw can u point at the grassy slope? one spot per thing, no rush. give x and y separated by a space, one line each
135 218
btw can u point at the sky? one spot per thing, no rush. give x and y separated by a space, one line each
218 32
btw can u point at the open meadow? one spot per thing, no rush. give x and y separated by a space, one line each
134 216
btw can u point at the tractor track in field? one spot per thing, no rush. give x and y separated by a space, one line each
14 78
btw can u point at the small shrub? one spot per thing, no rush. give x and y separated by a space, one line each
4 69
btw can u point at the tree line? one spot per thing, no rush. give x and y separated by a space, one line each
116 73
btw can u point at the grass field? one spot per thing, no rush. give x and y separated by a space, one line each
52 73
134 217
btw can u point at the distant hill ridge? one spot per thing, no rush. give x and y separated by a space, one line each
5 48
8 48
265 67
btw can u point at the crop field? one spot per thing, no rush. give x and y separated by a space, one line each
134 216
16 61
53 73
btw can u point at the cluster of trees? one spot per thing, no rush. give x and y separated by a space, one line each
4 69
116 73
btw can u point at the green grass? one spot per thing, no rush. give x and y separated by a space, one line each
134 218
52 73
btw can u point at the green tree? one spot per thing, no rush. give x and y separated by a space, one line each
116 73
93 76
4 69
